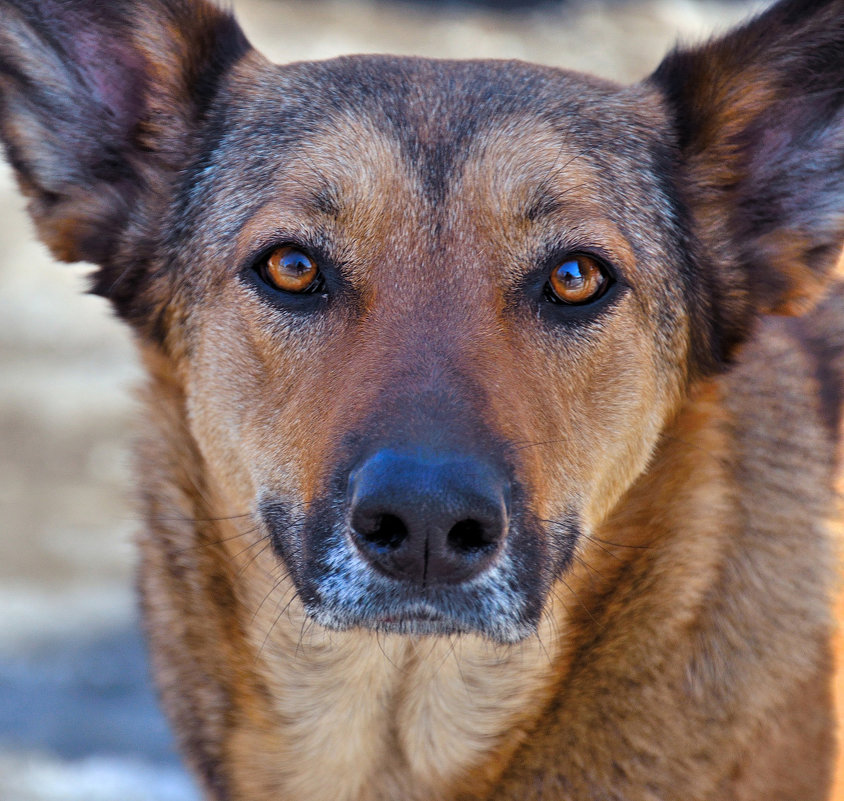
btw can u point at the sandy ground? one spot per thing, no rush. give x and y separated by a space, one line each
77 715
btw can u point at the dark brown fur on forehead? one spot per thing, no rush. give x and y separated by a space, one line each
434 109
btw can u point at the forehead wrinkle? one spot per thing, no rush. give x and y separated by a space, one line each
326 201
349 167
544 203
322 197
514 166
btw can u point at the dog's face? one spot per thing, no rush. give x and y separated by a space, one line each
432 339
429 319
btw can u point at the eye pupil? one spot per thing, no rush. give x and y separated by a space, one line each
296 263
579 279
571 275
290 270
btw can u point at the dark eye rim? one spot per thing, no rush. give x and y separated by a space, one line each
550 296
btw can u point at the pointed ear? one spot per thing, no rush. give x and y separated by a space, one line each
759 117
97 103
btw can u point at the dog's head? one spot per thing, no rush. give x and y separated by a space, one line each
429 319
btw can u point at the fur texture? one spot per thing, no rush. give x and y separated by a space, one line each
652 618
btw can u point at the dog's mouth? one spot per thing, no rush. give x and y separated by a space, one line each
418 616
419 621
362 602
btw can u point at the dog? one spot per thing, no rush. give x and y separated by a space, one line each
492 410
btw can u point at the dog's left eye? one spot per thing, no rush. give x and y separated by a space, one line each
577 280
290 270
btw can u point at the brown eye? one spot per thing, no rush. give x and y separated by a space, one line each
290 270
578 279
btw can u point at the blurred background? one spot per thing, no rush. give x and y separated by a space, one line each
78 720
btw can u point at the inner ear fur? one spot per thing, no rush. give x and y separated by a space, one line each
760 131
98 102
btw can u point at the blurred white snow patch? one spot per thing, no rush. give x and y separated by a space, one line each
32 616
36 777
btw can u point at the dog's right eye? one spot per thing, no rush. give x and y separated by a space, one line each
578 280
289 269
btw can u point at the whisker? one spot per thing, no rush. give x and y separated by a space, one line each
281 612
383 652
277 582
581 561
210 543
603 544
439 665
255 556
525 446
186 519
599 541
542 646
453 653
581 604
307 625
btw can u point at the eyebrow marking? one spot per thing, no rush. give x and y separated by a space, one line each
542 204
327 201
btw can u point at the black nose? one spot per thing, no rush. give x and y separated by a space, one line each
427 518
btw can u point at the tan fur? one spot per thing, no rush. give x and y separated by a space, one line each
595 563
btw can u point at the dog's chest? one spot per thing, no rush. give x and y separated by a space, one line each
383 717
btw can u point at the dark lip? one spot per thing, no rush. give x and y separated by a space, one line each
417 623
415 619
410 617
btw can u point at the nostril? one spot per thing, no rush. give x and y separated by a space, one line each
469 536
383 531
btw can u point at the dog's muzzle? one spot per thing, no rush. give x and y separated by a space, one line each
413 539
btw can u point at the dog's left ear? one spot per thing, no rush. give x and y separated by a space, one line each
99 102
759 118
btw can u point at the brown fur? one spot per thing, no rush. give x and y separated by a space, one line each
656 623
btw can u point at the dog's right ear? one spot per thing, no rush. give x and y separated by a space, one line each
98 101
759 121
